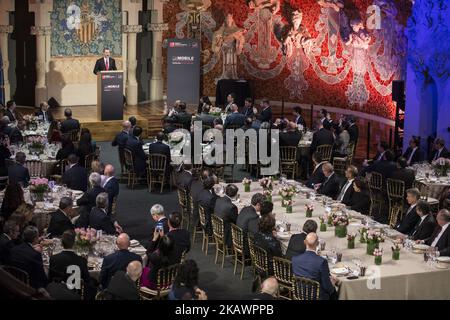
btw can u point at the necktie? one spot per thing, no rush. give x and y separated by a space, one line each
411 155
344 189
437 155
107 64
45 116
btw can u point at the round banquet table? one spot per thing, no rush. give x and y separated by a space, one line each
408 278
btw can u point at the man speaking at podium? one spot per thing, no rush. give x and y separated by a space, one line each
106 63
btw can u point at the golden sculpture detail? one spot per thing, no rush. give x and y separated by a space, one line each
87 29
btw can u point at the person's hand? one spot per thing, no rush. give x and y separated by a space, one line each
335 281
255 111
201 295
38 248
118 227
317 186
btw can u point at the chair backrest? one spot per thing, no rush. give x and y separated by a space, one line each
34 167
88 161
3 182
376 181
237 235
97 151
306 289
182 198
157 162
260 260
288 154
19 274
218 229
325 151
129 159
74 135
395 188
166 277
395 214
350 152
423 188
114 206
282 270
202 215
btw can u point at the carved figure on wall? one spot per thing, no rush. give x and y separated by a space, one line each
228 40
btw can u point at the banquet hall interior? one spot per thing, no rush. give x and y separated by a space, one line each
225 150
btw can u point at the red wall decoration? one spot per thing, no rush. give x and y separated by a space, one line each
338 53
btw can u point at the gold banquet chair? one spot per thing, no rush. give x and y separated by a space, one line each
129 165
305 289
17 273
237 236
164 281
325 151
218 231
288 161
282 269
205 237
34 168
424 190
185 206
88 161
396 196
260 262
376 191
156 172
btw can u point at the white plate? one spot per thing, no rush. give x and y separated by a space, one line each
284 235
443 259
134 243
339 271
421 246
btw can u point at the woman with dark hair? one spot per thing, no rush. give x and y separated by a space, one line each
204 101
85 146
67 148
185 286
12 200
360 200
23 216
266 239
296 244
161 257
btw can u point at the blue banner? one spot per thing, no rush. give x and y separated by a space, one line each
2 86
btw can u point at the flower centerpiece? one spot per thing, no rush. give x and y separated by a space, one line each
266 184
373 239
215 111
378 254
31 122
38 187
175 137
362 234
323 225
85 239
286 193
340 222
268 194
351 241
396 251
441 167
246 182
309 210
287 203
36 145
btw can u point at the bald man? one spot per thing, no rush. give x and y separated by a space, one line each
331 185
269 290
312 266
111 185
122 137
118 260
123 284
234 119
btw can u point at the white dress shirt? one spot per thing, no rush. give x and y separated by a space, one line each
411 155
107 63
344 189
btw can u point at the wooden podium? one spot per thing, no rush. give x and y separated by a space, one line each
110 95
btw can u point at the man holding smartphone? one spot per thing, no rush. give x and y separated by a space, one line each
161 222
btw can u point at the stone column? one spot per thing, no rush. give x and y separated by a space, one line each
41 62
132 86
157 82
4 31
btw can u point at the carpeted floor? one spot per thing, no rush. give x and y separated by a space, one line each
133 213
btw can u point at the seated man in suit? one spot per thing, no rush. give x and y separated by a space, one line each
325 119
234 119
207 199
18 173
88 200
247 111
11 232
317 175
441 234
296 244
123 284
184 177
266 111
205 117
382 147
27 256
159 147
118 260
60 266
291 137
427 223
159 218
182 116
439 150
346 191
413 154
299 120
360 200
321 137
231 98
330 186
121 138
269 290
43 113
135 145
312 266
60 220
69 124
403 173
75 176
227 211
111 185
410 218
385 167
99 218
10 111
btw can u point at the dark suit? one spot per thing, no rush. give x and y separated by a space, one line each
316 177
300 121
19 174
135 145
206 119
417 155
59 223
112 187
265 115
100 220
207 199
409 221
347 196
184 180
23 256
120 139
406 175
6 244
360 202
12 117
15 135
247 112
320 138
181 117
296 245
101 66
310 265
424 229
181 240
228 212
46 116
353 132
114 262
290 139
384 167
443 244
86 203
122 287
161 148
164 222
330 186
61 261
234 119
75 178
271 245
436 155
247 220
69 125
